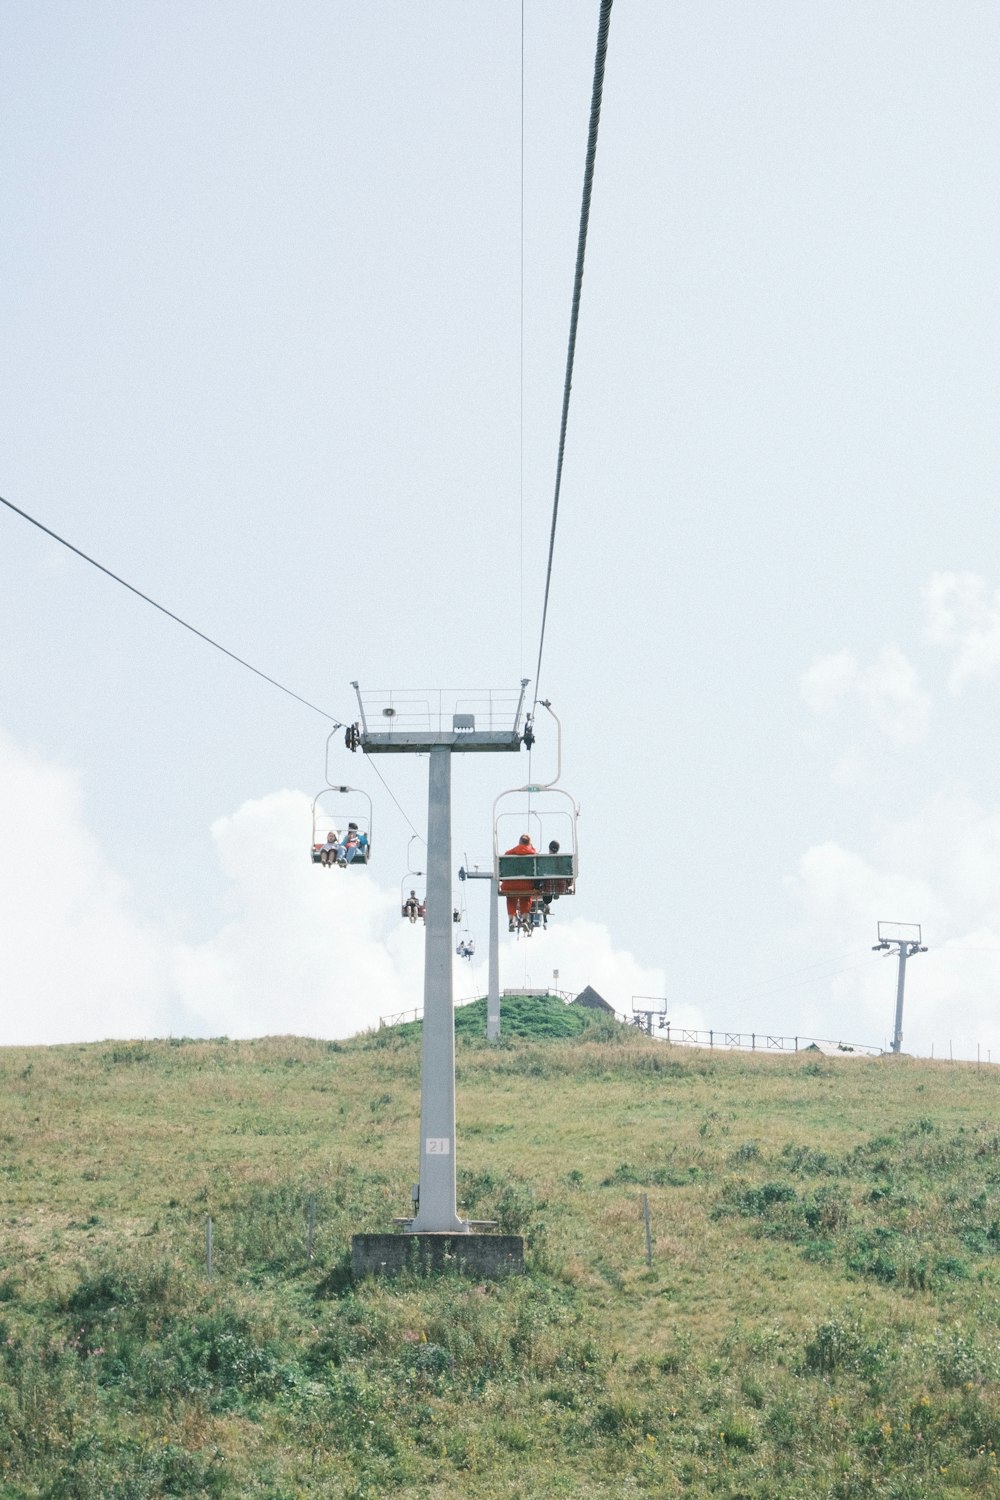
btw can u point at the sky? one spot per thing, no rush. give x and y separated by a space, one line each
284 299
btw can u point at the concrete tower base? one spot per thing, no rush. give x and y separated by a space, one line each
480 1255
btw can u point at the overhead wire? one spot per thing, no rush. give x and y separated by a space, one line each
604 23
209 640
819 963
395 799
767 991
948 947
337 723
520 657
603 26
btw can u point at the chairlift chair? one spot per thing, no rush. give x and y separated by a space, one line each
328 817
420 910
417 877
548 814
466 946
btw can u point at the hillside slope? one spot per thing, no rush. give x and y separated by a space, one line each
820 1318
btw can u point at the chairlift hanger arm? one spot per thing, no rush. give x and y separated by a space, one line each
410 871
544 786
361 707
520 704
556 791
354 791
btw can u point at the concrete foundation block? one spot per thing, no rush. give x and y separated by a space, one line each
478 1255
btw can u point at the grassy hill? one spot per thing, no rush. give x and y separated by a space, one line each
820 1319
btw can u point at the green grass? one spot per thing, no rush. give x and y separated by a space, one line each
821 1318
532 1017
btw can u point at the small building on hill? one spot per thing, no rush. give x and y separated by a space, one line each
593 1001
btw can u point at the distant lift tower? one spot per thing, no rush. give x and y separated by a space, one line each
493 970
649 1008
439 725
905 936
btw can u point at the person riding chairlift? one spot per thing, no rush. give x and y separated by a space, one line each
411 907
519 892
353 844
328 851
552 894
466 947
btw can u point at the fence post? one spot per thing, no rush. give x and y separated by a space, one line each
649 1237
711 1039
208 1246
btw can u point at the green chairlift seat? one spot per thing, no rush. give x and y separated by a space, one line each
536 866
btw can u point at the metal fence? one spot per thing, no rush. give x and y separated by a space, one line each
686 1036
757 1041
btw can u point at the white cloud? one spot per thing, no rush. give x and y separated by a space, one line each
324 952
309 949
941 868
76 961
894 698
889 690
305 950
963 618
826 683
584 953
843 894
852 771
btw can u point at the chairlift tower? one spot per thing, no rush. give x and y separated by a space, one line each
904 936
439 725
493 967
649 1008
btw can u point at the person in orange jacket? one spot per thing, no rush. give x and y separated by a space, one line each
519 893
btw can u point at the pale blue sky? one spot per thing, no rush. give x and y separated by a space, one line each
260 315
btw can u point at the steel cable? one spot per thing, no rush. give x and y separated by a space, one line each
603 27
337 723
